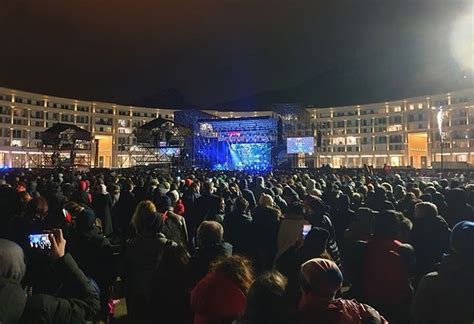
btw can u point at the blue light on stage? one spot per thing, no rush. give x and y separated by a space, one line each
250 156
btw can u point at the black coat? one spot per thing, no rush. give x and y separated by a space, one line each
123 211
140 259
266 225
94 255
238 231
205 256
102 206
430 238
79 304
12 301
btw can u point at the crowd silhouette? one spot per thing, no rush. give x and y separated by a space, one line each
208 247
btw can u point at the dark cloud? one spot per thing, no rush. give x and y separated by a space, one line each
214 51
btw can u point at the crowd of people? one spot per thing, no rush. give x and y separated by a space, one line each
208 247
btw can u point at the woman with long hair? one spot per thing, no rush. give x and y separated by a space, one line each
221 296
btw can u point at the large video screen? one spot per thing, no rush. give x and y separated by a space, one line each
299 145
250 156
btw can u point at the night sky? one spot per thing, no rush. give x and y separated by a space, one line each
218 51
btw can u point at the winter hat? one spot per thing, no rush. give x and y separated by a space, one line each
174 195
85 220
320 277
462 239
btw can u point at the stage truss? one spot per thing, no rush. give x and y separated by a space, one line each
158 142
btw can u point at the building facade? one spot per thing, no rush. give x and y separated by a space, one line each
398 133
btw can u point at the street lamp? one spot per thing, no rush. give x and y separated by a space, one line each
439 119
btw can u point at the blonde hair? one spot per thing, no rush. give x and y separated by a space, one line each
144 209
266 200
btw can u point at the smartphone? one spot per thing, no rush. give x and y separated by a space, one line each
306 229
40 242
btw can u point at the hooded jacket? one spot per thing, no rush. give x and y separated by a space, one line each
216 299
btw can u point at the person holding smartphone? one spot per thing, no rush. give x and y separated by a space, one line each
79 304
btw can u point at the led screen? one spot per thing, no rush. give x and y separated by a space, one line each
300 145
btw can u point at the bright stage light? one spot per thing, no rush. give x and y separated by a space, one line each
462 40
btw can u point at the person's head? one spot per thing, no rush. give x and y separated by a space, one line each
36 209
266 200
295 211
266 300
208 187
260 182
209 233
320 278
116 189
314 207
85 220
128 185
174 196
289 195
236 268
163 203
241 205
73 208
12 261
145 218
425 209
314 243
387 225
22 199
102 189
462 240
83 185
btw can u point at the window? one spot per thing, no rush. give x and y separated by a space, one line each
381 139
17 133
395 138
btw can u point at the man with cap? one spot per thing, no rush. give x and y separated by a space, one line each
446 296
320 280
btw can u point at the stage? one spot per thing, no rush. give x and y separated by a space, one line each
245 144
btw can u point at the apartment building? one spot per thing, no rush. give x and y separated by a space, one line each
399 133
24 115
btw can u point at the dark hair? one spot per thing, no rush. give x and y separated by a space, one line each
266 301
241 205
37 208
387 224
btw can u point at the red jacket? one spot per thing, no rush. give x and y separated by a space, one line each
315 309
386 273
215 299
